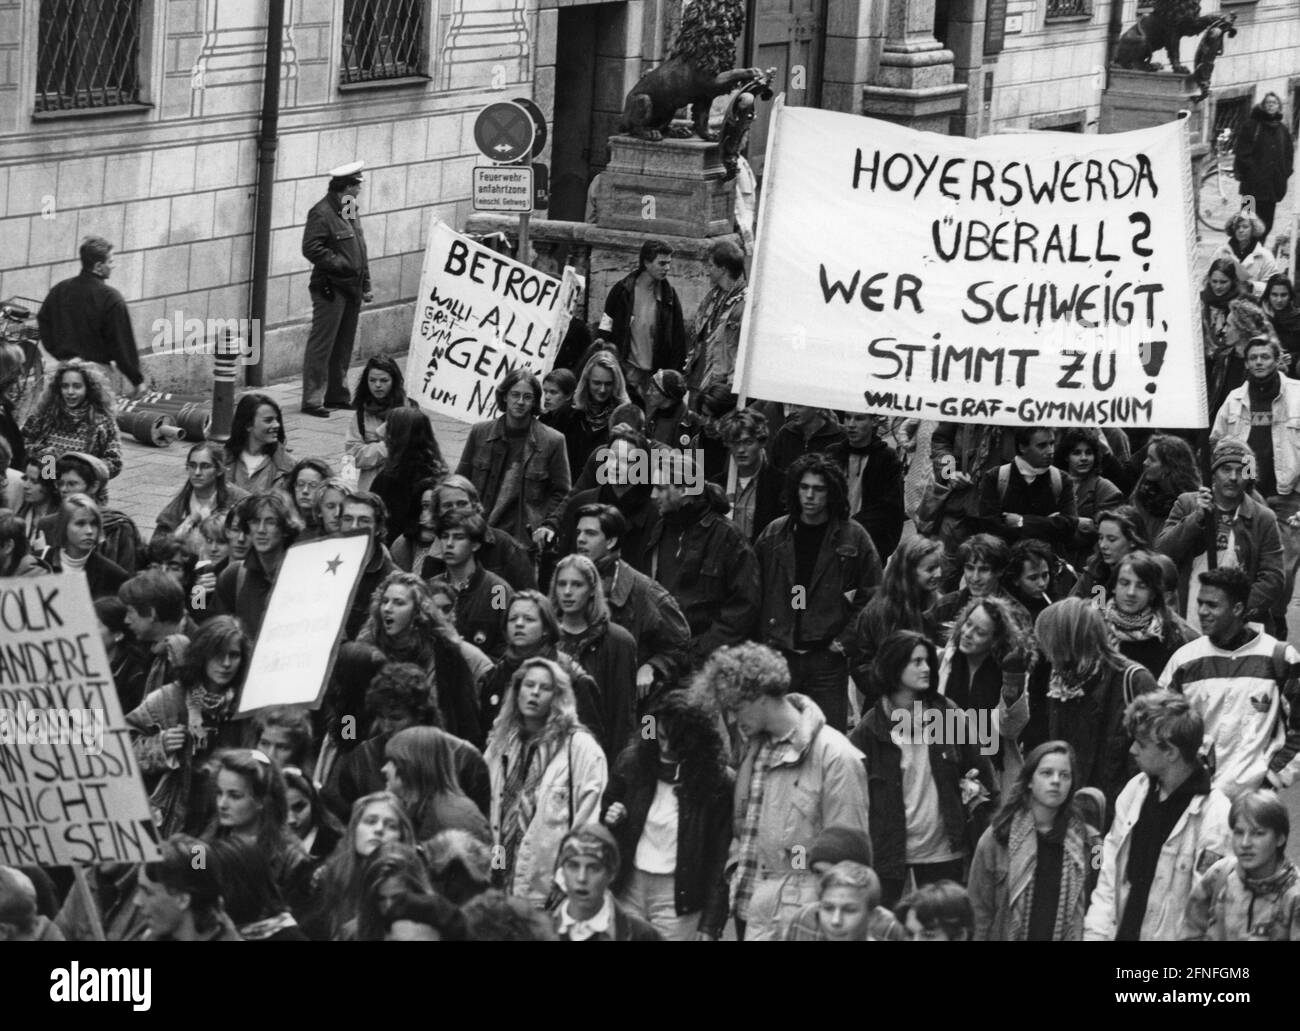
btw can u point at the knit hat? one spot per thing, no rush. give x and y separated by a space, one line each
838 844
1230 450
671 383
96 465
593 840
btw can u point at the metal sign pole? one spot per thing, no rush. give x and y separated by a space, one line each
524 218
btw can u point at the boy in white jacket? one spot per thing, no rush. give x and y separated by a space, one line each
1170 825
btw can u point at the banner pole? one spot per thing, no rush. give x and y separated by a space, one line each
760 236
88 900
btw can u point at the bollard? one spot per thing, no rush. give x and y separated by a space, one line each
224 369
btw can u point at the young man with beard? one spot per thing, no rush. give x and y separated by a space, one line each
1246 683
636 603
518 466
818 569
703 561
1223 525
875 480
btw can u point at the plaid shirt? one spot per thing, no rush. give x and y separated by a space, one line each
742 886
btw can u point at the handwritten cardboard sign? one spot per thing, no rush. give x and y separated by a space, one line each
478 315
1029 279
70 786
299 638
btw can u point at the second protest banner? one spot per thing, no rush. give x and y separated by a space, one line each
478 315
1032 279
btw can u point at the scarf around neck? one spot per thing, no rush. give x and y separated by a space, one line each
1144 626
1022 855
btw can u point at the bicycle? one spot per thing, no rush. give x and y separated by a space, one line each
18 326
1218 197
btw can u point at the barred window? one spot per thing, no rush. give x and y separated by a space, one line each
88 54
1068 8
382 39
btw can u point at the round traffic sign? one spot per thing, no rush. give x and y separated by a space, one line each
539 121
504 132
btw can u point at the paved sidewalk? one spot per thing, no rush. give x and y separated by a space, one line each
151 476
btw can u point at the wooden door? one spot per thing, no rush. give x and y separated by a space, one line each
788 35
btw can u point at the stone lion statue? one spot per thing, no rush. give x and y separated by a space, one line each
697 70
1162 29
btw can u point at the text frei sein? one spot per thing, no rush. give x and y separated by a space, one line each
62 802
1012 279
478 315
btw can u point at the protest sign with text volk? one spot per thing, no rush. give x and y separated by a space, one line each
1028 279
70 786
478 315
301 631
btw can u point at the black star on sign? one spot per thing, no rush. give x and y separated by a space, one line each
333 566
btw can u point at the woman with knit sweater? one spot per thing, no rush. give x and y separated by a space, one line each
75 413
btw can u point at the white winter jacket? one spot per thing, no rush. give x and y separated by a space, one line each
1200 838
1233 420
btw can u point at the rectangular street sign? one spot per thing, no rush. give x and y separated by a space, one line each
503 188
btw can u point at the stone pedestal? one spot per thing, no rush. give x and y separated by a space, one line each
1140 100
666 188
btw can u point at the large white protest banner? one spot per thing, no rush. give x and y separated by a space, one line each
70 786
1029 279
300 632
478 315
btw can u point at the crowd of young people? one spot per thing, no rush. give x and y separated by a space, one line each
749 695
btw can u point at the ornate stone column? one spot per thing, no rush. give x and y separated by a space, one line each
913 84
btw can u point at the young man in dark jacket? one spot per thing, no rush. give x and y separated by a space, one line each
482 597
704 561
875 480
244 588
643 318
83 317
1029 497
818 569
753 485
806 430
636 603
519 467
588 862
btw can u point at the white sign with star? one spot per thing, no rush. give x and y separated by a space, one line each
301 632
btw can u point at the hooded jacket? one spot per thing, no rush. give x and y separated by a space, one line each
1227 905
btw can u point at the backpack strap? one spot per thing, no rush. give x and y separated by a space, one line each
1004 480
1129 675
1279 663
1058 484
